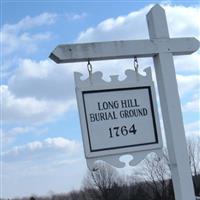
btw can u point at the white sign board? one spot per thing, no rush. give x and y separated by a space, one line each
119 117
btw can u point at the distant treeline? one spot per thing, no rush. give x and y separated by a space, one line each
134 191
151 181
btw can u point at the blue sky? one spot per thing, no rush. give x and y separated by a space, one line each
40 133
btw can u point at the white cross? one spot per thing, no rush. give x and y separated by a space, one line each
162 48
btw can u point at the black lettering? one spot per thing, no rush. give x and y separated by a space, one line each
92 118
106 105
129 103
123 104
140 112
122 131
102 116
145 111
136 105
99 106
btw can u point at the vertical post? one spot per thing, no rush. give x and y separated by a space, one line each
171 109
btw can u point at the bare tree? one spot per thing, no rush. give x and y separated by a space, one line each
103 183
157 176
194 159
74 195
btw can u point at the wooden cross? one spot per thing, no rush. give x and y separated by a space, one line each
161 48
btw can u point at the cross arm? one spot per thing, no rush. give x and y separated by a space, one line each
68 53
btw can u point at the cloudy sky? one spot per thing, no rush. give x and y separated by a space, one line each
41 144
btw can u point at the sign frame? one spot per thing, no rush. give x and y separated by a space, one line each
95 83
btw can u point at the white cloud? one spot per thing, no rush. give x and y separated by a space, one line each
131 26
190 63
18 43
42 90
29 109
27 129
15 38
61 143
31 22
134 26
188 84
192 106
193 128
28 178
42 80
38 167
7 137
43 86
183 20
4 139
72 16
48 149
37 92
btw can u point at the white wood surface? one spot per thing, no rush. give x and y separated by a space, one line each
162 48
122 49
171 109
113 148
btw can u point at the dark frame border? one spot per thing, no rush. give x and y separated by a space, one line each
121 89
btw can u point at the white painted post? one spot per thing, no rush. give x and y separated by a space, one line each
68 53
171 109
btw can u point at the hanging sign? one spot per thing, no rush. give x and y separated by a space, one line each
118 117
